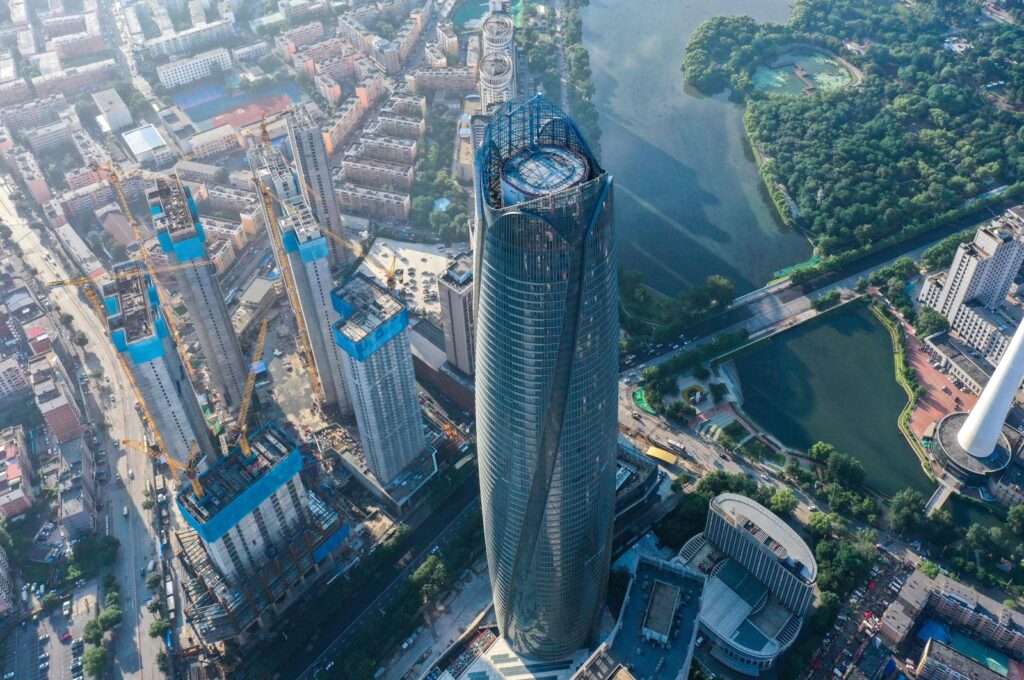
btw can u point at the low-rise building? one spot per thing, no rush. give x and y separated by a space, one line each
196 38
54 395
113 109
387 205
459 80
76 79
377 174
952 602
189 70
147 146
215 141
251 52
24 166
16 493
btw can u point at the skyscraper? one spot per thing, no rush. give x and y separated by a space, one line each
310 156
181 237
139 332
307 255
372 332
546 301
455 289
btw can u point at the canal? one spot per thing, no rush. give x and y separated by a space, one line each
832 380
688 198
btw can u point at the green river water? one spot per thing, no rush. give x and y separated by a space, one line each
688 198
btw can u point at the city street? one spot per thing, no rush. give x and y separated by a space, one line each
135 651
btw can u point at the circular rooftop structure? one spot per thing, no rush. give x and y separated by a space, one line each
496 69
961 464
497 31
541 170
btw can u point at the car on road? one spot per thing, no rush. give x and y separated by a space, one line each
65 637
124 511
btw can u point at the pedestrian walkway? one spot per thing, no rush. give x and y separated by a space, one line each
938 499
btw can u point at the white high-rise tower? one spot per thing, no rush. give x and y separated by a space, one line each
979 435
973 446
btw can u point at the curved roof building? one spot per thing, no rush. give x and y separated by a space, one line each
547 327
760 583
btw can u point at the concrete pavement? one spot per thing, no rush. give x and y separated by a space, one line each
135 653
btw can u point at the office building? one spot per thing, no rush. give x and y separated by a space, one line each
249 505
546 401
215 141
372 332
307 250
455 290
760 583
181 237
314 168
140 333
971 292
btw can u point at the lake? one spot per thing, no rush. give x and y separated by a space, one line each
688 198
832 379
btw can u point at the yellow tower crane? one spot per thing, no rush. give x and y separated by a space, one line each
250 383
178 469
289 286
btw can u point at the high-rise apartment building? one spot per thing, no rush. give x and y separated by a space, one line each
969 294
455 291
139 332
373 333
314 168
307 251
181 237
546 372
982 270
497 60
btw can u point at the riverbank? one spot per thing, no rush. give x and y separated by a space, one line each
688 197
834 161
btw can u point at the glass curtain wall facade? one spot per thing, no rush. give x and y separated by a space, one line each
546 301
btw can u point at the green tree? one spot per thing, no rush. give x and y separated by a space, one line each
825 524
163 662
93 632
820 451
109 617
906 511
929 569
95 661
1015 519
159 628
929 322
154 580
783 502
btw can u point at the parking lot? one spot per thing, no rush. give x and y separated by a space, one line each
860 616
43 647
417 268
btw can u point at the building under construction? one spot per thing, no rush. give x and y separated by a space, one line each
378 368
181 237
308 252
257 538
140 333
